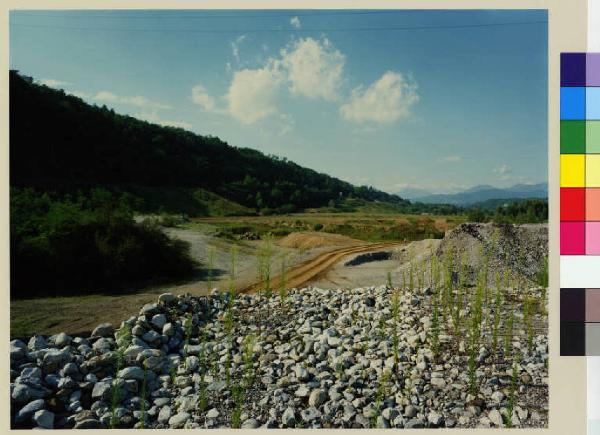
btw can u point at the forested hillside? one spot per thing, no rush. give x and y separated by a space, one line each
59 142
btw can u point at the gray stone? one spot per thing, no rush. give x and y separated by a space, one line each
435 418
44 419
37 342
414 423
250 424
301 373
159 321
410 411
133 372
101 390
151 336
165 414
302 391
497 396
55 359
21 393
103 330
69 369
28 410
166 298
317 397
288 419
212 413
178 420
62 340
310 414
495 417
168 329
88 423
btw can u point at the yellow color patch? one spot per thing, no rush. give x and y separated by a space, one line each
592 170
572 170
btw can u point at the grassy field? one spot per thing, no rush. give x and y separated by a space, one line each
370 227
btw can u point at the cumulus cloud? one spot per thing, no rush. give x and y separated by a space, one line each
295 22
53 83
137 100
252 93
386 100
156 119
310 68
201 97
314 68
235 47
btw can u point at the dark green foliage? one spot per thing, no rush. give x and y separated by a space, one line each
86 242
516 212
476 215
529 211
61 143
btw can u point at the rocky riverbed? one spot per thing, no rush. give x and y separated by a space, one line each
314 359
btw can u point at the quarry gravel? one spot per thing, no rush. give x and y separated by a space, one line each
316 359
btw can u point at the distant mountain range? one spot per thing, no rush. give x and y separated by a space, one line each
477 194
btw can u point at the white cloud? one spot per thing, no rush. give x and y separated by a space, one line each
314 68
201 97
503 171
235 47
295 22
154 118
386 100
287 124
137 100
80 94
52 83
451 159
252 93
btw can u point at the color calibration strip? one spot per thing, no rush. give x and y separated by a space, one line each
580 321
580 154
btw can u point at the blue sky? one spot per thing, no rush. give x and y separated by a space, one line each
441 100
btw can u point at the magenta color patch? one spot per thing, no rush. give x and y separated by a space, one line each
572 238
592 238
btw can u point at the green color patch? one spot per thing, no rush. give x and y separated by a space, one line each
572 137
592 139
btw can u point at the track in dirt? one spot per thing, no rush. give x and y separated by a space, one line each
313 268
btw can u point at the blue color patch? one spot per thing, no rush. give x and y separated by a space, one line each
572 103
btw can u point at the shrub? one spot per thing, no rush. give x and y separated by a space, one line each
90 242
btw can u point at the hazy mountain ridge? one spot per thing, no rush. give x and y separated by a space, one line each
479 194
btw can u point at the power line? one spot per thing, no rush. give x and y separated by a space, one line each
323 29
139 15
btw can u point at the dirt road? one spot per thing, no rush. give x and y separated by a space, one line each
302 274
80 314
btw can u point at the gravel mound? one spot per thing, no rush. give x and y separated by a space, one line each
316 359
520 249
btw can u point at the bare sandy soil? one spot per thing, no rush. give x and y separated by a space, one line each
81 314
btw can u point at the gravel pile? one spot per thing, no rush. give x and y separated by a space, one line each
519 249
321 359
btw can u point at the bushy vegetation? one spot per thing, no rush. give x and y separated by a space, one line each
526 211
86 242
